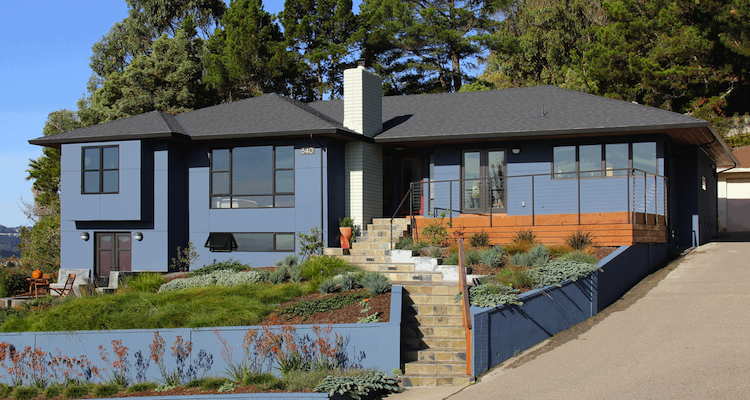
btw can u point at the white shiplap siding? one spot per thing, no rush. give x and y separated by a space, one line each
364 182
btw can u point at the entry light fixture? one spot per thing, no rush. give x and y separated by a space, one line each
516 150
85 236
138 236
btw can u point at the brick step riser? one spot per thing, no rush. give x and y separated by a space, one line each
433 332
430 320
431 310
434 343
433 355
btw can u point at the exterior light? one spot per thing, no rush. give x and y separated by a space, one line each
138 236
516 150
85 236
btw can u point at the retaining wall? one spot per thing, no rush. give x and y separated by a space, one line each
499 333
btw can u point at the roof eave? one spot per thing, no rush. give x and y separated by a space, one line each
56 142
342 133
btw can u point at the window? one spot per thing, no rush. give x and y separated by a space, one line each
113 252
100 170
483 180
250 242
614 159
252 177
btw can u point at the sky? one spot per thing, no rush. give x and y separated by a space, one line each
44 67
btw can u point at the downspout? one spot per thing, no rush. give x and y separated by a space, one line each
322 218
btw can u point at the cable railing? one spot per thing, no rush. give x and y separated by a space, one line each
628 190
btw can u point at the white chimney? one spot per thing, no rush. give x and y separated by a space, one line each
363 101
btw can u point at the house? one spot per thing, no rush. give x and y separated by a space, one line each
734 194
241 180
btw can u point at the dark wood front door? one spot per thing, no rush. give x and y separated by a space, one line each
113 252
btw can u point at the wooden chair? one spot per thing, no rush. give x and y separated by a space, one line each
67 288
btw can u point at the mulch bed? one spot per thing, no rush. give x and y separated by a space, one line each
344 315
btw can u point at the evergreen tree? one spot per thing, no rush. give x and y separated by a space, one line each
248 56
422 46
40 244
320 30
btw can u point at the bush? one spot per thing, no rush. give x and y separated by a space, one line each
52 391
579 256
376 283
75 391
559 249
348 282
230 265
472 257
557 271
13 281
408 243
319 268
147 282
435 230
493 256
5 390
479 239
226 278
24 393
579 240
493 295
299 381
106 390
452 259
278 276
288 261
539 255
295 274
515 248
329 286
367 383
209 383
524 236
330 303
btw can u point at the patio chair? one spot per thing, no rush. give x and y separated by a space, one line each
114 283
67 288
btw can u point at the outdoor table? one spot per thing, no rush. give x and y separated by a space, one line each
36 284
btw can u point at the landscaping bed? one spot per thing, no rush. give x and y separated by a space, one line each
348 314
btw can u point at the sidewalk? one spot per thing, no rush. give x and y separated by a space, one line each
683 332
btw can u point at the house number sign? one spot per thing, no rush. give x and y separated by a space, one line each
308 150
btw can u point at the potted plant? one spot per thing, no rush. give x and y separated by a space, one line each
346 228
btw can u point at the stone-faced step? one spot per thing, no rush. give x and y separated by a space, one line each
449 288
443 343
433 310
436 380
369 252
367 259
423 331
435 368
392 267
370 246
438 299
405 277
430 320
434 355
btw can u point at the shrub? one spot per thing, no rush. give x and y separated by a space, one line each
579 240
308 308
524 235
579 256
106 390
319 268
472 257
310 244
298 381
365 384
493 256
348 282
185 258
75 391
295 274
5 390
226 278
278 275
493 295
523 260
435 230
452 259
329 286
522 279
408 243
479 239
376 283
288 261
539 254
148 282
559 249
24 393
258 379
209 383
13 281
51 391
520 247
436 253
557 271
230 265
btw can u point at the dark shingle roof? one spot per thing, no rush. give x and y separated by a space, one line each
512 113
152 124
256 117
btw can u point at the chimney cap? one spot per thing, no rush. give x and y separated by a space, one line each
361 62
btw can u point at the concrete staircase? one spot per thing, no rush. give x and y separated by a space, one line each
433 343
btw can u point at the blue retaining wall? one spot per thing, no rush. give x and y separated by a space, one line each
501 332
377 342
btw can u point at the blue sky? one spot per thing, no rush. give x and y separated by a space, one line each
44 67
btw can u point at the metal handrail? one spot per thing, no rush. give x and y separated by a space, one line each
632 190
411 211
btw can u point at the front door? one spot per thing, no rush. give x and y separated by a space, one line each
483 181
113 252
410 167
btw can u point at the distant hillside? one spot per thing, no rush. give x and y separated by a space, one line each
10 238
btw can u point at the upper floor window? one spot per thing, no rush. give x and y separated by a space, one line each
613 159
252 177
101 170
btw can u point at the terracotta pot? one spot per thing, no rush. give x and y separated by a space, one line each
346 236
36 274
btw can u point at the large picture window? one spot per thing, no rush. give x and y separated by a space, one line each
100 170
250 242
596 160
252 177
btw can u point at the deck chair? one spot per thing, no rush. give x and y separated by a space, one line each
67 288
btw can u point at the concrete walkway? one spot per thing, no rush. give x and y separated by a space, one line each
682 333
